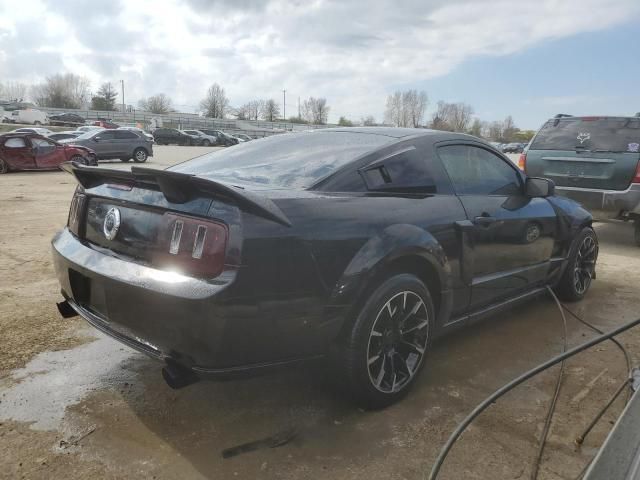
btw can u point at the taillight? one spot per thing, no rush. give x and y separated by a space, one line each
191 246
76 211
522 161
636 177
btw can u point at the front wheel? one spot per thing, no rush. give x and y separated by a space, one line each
79 159
206 143
140 155
387 344
581 267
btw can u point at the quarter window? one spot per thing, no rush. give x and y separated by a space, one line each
15 143
476 171
404 171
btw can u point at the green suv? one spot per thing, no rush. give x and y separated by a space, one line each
593 160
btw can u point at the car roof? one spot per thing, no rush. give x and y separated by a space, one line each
398 132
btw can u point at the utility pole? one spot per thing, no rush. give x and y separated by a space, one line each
122 83
284 104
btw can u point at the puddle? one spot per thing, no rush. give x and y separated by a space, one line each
53 381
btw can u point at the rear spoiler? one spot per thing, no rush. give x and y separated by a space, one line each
178 187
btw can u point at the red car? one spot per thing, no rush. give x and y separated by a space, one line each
104 123
29 151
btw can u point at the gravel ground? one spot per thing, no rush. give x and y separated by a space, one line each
74 403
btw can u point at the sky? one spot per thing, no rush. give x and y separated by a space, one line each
527 58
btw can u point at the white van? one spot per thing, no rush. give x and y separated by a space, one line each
30 116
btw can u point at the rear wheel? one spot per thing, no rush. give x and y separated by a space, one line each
140 155
206 143
386 347
4 168
581 267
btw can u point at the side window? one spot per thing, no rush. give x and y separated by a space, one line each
476 171
125 135
15 142
42 143
106 135
405 171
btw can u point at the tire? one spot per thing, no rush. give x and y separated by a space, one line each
4 167
140 155
580 270
206 143
93 160
377 360
636 228
79 159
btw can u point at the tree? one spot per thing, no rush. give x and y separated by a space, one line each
508 129
368 121
406 109
216 103
105 99
14 91
62 91
315 110
344 122
454 117
270 110
250 110
476 128
159 103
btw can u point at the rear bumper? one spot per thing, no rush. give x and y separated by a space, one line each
170 317
605 203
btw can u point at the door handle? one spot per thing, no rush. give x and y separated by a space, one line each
485 221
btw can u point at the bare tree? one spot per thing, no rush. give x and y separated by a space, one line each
509 129
14 91
368 121
216 103
159 103
406 109
454 117
315 110
62 91
270 110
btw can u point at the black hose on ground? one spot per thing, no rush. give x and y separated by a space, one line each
462 426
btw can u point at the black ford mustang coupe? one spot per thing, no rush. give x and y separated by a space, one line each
361 244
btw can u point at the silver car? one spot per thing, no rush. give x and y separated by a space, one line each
115 143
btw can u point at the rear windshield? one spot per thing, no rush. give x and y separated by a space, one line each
600 134
295 160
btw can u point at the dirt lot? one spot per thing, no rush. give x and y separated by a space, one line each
74 403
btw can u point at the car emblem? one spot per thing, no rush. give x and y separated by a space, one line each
583 137
111 223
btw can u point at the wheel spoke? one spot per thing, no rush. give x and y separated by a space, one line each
381 373
423 323
375 333
373 359
417 348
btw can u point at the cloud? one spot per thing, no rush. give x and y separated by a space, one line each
350 52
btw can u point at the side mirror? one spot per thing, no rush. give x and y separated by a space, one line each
96 139
539 187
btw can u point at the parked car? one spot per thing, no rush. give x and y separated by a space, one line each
30 115
57 136
360 244
243 137
167 136
40 131
202 138
122 144
105 123
513 148
89 128
593 160
30 151
140 132
222 139
66 119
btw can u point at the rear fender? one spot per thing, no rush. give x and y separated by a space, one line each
379 253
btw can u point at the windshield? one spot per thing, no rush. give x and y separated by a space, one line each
295 160
597 134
